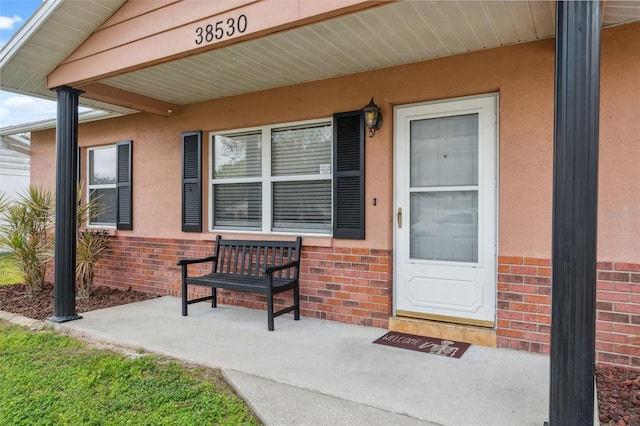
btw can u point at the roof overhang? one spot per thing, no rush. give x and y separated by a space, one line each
83 117
16 143
356 37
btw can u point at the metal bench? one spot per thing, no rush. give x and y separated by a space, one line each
266 267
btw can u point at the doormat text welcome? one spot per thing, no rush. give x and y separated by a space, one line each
431 345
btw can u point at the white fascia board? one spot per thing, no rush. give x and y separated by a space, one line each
16 143
83 117
40 16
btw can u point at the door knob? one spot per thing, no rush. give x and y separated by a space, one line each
399 217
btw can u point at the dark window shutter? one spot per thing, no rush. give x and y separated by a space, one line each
192 181
78 166
124 185
348 175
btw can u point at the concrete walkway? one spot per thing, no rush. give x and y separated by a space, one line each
314 372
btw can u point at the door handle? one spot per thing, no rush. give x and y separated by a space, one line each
399 217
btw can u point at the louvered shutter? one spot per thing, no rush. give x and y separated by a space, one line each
192 181
348 175
78 166
124 187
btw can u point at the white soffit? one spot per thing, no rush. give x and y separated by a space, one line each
397 33
393 34
56 29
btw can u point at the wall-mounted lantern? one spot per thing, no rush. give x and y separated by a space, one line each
372 117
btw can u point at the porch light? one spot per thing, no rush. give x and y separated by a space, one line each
372 117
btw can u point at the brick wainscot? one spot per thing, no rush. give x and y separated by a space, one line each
355 285
350 285
524 308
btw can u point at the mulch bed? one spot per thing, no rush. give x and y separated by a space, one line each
618 387
618 396
13 298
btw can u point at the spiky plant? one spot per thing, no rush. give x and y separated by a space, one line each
91 245
26 231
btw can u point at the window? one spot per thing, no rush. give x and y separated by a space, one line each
237 180
109 177
102 184
274 178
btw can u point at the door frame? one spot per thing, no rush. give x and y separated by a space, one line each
496 189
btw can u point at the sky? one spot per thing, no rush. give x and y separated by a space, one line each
18 109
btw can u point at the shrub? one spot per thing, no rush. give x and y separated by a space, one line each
26 232
90 245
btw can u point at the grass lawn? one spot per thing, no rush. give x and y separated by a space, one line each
49 379
9 272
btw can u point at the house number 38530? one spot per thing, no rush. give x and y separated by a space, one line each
221 29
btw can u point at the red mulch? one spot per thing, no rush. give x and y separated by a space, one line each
618 396
618 387
13 298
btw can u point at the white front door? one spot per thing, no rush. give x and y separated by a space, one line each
445 204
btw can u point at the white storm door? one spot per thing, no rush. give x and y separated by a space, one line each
445 204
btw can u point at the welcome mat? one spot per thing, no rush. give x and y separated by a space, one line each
430 345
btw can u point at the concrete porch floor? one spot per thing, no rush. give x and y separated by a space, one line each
315 372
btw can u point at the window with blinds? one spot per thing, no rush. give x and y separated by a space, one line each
237 180
110 185
301 170
102 185
275 178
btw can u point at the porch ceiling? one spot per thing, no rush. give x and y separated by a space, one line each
392 34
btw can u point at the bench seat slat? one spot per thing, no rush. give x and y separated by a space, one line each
241 282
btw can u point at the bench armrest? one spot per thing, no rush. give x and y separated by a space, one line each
272 269
183 262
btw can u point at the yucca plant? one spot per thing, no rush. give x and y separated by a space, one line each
26 231
91 244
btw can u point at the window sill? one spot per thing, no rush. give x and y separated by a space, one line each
109 230
316 240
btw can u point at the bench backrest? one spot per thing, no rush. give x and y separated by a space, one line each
249 258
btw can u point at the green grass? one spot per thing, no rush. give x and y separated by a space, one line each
9 272
49 379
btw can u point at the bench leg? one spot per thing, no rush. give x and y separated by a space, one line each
214 295
270 312
184 303
296 303
184 290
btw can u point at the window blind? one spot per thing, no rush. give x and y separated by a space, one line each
237 155
238 205
105 199
301 151
302 205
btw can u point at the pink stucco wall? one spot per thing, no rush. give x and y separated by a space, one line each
619 179
523 76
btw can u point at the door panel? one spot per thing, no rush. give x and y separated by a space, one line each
445 188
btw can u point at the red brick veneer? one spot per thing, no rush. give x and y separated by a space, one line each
349 285
354 285
524 297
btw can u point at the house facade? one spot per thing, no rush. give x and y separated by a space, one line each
14 164
243 119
